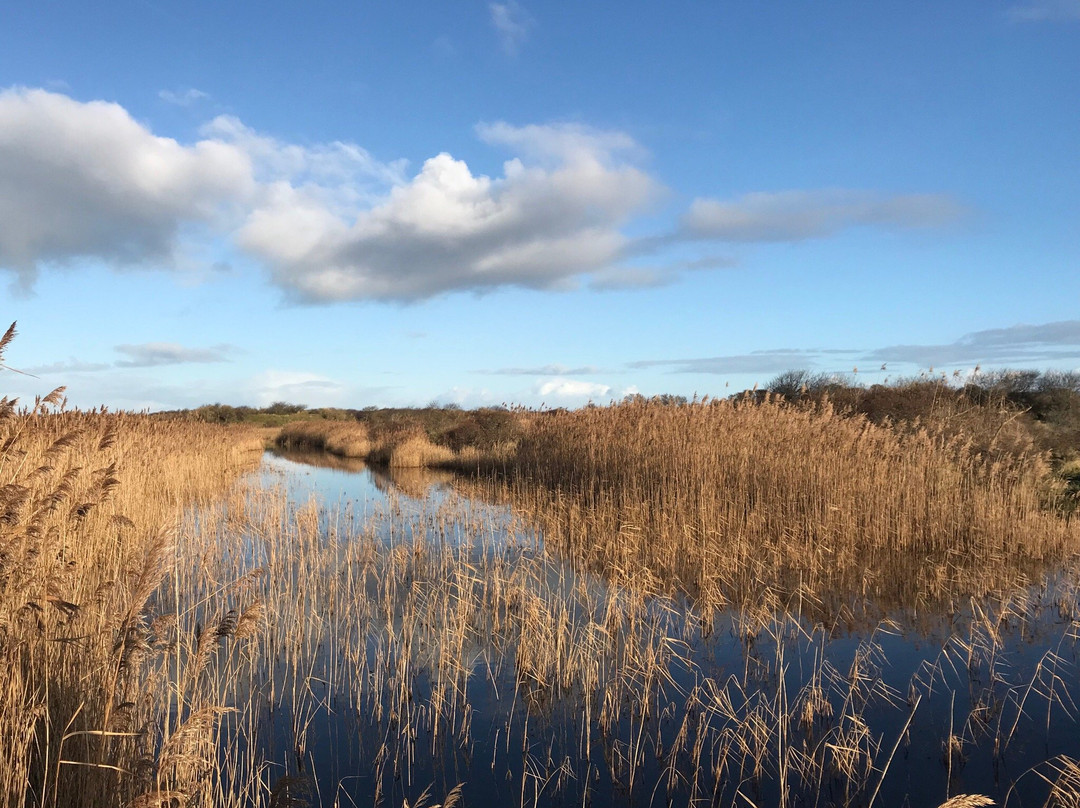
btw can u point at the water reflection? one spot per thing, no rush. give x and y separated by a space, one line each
332 477
440 644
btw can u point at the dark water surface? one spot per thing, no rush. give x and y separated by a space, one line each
761 709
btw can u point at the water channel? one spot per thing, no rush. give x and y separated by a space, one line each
439 646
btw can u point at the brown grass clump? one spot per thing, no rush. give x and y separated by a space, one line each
416 451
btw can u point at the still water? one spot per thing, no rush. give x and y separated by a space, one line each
453 652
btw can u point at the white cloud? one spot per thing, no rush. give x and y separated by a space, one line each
561 143
86 180
537 226
182 98
338 175
470 397
572 389
512 24
800 215
296 387
330 222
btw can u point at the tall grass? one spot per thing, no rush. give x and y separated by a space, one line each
411 621
722 498
90 504
393 446
342 438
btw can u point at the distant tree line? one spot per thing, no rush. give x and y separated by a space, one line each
1048 401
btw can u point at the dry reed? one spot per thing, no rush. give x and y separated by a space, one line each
90 504
724 498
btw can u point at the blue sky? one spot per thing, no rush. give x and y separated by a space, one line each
356 204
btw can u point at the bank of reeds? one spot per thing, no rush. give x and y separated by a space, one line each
720 498
90 504
394 447
342 438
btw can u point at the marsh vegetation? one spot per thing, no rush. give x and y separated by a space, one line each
760 601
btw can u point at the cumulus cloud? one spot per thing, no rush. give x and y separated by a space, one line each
182 98
512 24
87 180
538 226
1046 11
806 214
572 388
330 222
153 354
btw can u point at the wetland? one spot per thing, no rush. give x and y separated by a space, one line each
723 602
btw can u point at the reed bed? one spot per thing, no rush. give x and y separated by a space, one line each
90 505
342 438
433 629
722 499
394 447
444 629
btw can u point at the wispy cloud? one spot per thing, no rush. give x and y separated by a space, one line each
806 214
338 175
622 277
444 47
182 98
295 386
144 355
1046 11
512 25
756 362
71 365
154 354
546 370
1023 345
1016 344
